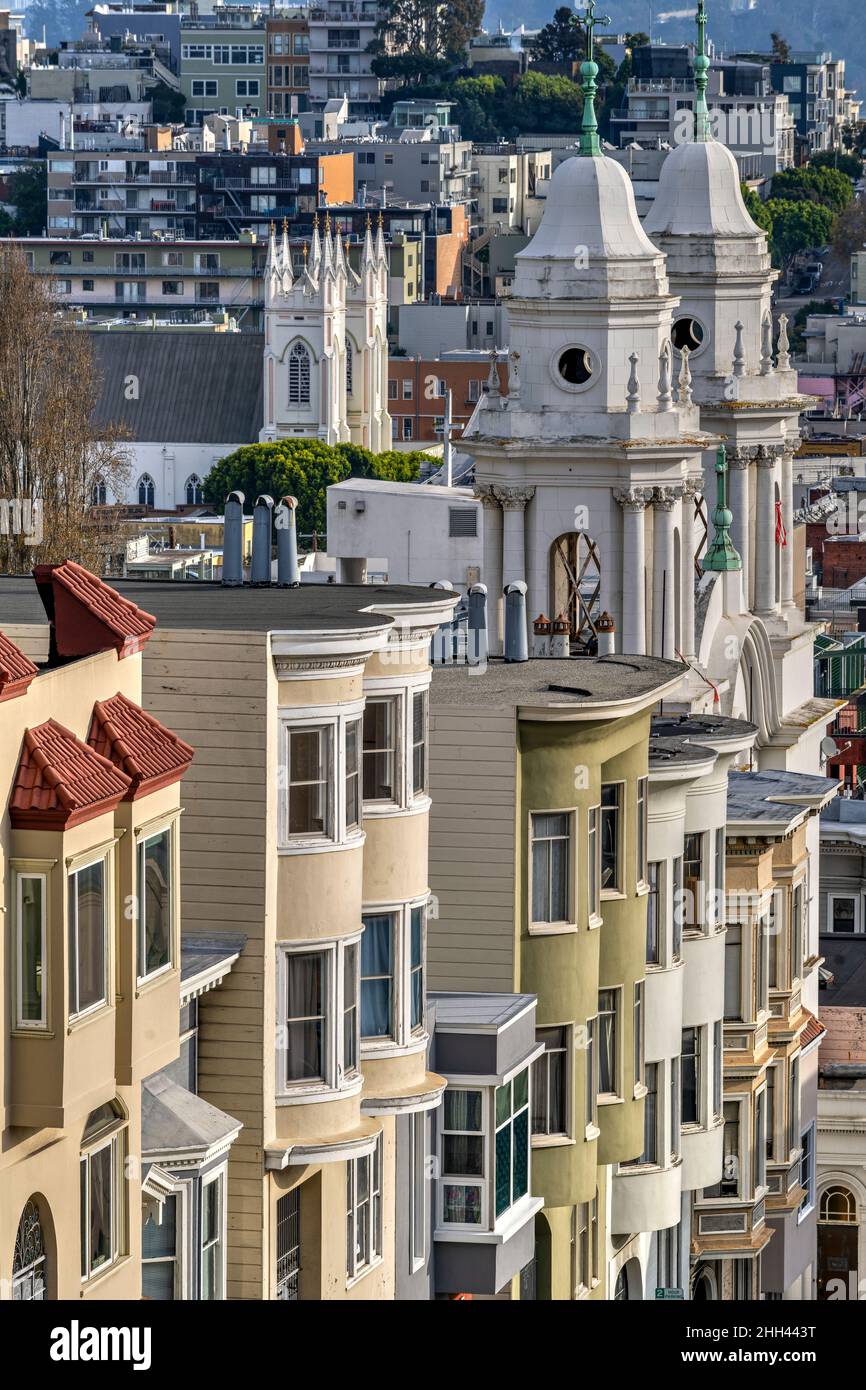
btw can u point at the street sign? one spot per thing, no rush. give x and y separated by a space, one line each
669 1293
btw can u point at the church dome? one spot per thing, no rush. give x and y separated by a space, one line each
590 239
699 195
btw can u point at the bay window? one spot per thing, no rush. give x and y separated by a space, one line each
353 774
159 1253
318 1042
393 965
593 875
691 1076
306 987
154 904
693 880
419 742
550 859
101 1210
642 798
549 1083
653 916
608 1060
213 1236
463 1159
88 938
310 797
31 899
377 976
512 1141
611 837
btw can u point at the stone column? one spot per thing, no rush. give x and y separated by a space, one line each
513 501
491 562
788 521
633 637
738 501
765 533
691 489
664 591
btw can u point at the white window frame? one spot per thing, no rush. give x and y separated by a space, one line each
418 1189
336 1079
619 890
180 1191
376 1201
404 692
217 1175
568 924
105 857
642 831
541 1140
402 1036
484 1181
812 1131
142 841
608 1097
335 722
114 1142
40 1024
831 899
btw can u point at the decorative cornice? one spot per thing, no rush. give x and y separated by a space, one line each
513 498
665 498
633 499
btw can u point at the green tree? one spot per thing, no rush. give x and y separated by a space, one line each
849 164
562 40
797 225
303 468
829 187
757 210
416 40
29 195
849 230
549 103
168 105
781 49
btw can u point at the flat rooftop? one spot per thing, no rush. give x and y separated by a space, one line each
710 728
668 752
202 604
560 682
478 1010
774 796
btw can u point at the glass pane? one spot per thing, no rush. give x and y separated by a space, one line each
156 903
307 809
503 1169
503 1103
210 1273
100 1207
540 881
157 1281
304 1051
557 1093
306 755
559 881
90 910
376 977
520 1156
521 1088
210 1212
462 1110
462 1205
376 946
158 1239
463 1154
378 751
304 986
417 936
31 950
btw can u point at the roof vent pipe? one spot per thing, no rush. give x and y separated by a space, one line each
606 634
233 539
476 654
560 636
541 636
263 513
516 640
288 574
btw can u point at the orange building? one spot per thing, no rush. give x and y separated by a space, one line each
417 390
288 62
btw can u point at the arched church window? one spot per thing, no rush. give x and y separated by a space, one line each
98 493
146 491
839 1206
299 375
28 1264
687 332
348 366
194 490
575 366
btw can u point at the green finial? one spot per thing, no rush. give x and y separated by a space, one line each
589 142
721 554
702 68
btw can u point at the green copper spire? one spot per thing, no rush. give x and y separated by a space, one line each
702 68
721 554
589 142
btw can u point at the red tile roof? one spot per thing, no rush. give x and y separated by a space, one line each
16 670
149 753
814 1029
88 615
60 782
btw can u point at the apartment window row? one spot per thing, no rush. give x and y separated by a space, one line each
553 900
353 763
90 921
762 1129
231 55
761 954
281 45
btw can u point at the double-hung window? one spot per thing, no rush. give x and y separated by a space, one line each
611 837
591 1077
364 1212
318 1039
102 1217
720 876
593 872
212 1236
88 938
549 1083
551 856
31 950
350 1009
512 1141
159 1253
807 1170
310 795
638 1033
306 995
417 931
693 879
642 798
797 932
760 1151
381 761
464 1169
419 742
733 972
608 1043
353 774
653 916
418 1188
650 1115
676 1101
154 904
718 1059
691 1076
377 976
679 911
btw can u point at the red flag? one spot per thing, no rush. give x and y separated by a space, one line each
781 533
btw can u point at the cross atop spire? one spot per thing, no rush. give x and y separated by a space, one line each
589 142
702 67
721 555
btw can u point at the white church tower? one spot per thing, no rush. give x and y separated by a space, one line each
589 465
326 343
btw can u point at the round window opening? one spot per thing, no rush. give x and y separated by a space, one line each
575 366
687 332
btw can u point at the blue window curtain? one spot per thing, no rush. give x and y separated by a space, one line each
377 976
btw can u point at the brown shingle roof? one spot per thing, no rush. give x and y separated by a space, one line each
88 615
60 782
145 750
16 670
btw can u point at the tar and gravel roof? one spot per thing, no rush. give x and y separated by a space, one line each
562 681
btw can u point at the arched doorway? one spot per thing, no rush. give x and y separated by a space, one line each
704 1289
838 1242
29 1265
575 588
627 1288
